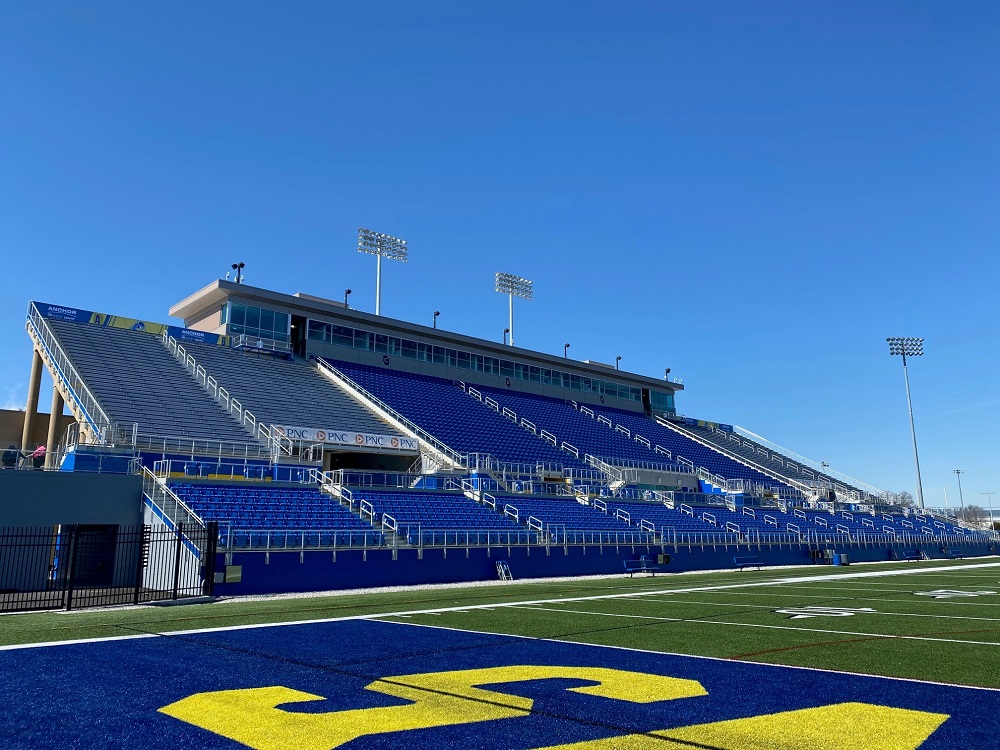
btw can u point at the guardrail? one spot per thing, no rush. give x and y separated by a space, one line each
164 503
421 434
277 444
99 422
198 469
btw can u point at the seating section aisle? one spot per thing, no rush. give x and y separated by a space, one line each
292 515
446 412
681 446
278 391
427 511
136 380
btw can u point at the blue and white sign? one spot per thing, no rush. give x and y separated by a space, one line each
348 437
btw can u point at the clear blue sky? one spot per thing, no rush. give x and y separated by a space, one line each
754 194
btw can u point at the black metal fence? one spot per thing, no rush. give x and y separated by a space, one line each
75 566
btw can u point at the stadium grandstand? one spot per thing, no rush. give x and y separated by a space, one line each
290 443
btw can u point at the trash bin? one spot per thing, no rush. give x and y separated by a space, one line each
843 560
837 558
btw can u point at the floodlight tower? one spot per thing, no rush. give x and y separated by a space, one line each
912 347
514 286
380 245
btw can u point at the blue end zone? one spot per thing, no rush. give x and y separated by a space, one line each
108 694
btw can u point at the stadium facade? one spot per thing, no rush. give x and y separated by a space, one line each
313 446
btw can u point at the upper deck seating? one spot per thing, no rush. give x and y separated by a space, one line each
136 380
567 424
278 391
681 446
443 410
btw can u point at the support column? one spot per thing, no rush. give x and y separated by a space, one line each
54 418
31 409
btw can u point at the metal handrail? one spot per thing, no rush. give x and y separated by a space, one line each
420 433
162 498
816 465
277 444
74 384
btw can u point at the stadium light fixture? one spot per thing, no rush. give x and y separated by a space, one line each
436 313
617 360
909 347
347 293
565 350
238 267
381 246
958 473
514 286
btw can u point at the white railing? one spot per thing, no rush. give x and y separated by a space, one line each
278 445
422 435
816 465
85 401
248 343
165 503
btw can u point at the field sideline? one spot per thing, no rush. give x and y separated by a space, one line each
897 627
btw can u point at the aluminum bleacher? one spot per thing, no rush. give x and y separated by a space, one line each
279 391
136 380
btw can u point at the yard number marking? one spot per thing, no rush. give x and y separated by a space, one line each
797 613
260 719
253 716
951 593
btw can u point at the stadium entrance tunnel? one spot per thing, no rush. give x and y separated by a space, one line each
367 461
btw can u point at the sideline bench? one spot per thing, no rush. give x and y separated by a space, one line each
956 555
747 562
912 554
644 564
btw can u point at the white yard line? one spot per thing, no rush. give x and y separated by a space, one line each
772 607
499 605
775 627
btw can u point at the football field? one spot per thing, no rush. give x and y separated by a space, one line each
896 655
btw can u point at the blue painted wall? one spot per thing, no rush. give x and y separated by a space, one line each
281 572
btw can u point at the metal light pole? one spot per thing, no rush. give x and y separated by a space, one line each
238 267
914 348
989 498
380 245
347 293
514 286
565 350
505 332
961 499
436 313
617 360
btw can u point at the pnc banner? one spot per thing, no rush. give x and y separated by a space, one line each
348 437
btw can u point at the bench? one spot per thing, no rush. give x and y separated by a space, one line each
644 564
956 555
912 554
747 562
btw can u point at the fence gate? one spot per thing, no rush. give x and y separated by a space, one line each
70 567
